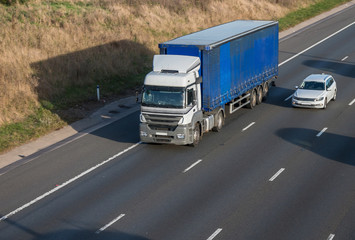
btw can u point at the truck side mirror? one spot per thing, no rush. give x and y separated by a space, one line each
138 92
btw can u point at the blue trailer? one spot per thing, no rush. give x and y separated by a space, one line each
232 65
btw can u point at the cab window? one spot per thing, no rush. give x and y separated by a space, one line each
190 97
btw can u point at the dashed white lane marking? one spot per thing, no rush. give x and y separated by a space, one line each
67 183
251 124
317 43
193 165
321 132
276 174
344 58
331 236
288 97
109 224
215 234
352 102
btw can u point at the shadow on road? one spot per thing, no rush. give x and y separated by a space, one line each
23 232
277 96
335 67
125 130
89 235
329 145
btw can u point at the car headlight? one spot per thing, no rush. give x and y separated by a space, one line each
319 99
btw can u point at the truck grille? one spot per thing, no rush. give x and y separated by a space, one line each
162 122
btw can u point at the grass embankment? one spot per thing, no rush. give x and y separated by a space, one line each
302 14
54 53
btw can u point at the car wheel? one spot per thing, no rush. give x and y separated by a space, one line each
335 95
325 103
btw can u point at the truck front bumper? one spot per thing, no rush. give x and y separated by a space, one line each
182 135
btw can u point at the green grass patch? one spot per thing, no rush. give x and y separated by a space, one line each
303 14
41 122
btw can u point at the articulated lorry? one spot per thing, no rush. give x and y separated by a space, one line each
199 78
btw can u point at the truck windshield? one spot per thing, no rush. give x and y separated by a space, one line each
164 97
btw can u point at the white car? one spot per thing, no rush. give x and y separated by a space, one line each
315 91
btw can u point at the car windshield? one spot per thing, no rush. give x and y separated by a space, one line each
164 97
311 85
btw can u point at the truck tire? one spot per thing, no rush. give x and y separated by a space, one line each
219 121
259 95
265 90
252 99
196 135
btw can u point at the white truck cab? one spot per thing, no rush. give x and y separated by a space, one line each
171 103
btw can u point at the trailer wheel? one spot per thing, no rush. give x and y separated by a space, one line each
196 135
219 121
265 90
259 95
252 99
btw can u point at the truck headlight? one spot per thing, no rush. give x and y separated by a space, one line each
144 134
142 118
181 120
180 136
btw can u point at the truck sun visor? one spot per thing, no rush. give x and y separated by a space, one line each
181 64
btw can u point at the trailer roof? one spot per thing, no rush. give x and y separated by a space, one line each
220 34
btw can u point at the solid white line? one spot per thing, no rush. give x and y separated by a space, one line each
344 58
276 175
321 132
316 44
67 183
251 124
331 236
215 234
110 223
288 97
197 162
352 102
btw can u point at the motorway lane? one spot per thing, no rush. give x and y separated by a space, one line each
229 189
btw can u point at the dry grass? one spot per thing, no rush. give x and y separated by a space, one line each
48 48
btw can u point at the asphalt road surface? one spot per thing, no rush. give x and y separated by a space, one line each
274 172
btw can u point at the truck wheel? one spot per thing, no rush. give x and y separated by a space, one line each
196 135
259 95
252 99
219 121
265 90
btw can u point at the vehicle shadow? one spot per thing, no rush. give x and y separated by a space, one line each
23 232
336 67
277 96
67 84
329 145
